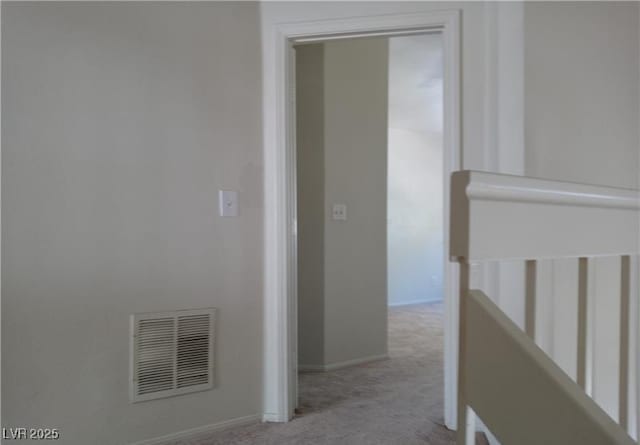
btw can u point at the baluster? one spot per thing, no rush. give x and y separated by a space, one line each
583 275
634 305
530 299
625 292
466 417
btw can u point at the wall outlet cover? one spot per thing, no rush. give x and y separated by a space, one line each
339 212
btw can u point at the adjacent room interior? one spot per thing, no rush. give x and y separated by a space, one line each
370 231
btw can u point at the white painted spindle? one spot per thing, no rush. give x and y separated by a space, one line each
583 276
625 276
466 417
530 299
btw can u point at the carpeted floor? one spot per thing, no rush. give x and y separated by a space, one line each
395 401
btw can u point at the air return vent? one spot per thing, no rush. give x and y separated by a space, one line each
172 353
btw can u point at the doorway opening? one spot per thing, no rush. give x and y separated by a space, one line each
280 286
370 231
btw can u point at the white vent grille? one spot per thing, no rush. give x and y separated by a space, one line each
172 353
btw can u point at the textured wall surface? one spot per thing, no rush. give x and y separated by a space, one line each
311 207
120 124
343 299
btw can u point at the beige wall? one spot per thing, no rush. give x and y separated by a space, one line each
581 92
356 175
347 164
581 124
311 206
120 123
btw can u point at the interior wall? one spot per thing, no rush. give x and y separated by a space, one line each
310 203
581 106
342 159
120 122
104 216
588 76
415 182
356 80
142 28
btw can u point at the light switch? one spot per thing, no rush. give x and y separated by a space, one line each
339 212
228 201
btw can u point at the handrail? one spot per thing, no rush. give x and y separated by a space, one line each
496 216
551 192
517 390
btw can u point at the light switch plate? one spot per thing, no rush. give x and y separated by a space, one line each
339 212
228 201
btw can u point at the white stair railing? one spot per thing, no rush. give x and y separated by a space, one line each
503 377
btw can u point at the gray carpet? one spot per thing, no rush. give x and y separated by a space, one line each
395 401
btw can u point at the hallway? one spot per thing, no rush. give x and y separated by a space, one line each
396 401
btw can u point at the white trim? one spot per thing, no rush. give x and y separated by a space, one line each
500 217
0 204
553 192
400 33
452 156
409 303
194 433
634 298
279 194
345 364
273 417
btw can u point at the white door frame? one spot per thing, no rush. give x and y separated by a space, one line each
280 260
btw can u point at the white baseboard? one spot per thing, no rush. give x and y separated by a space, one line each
273 417
340 365
201 430
407 303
